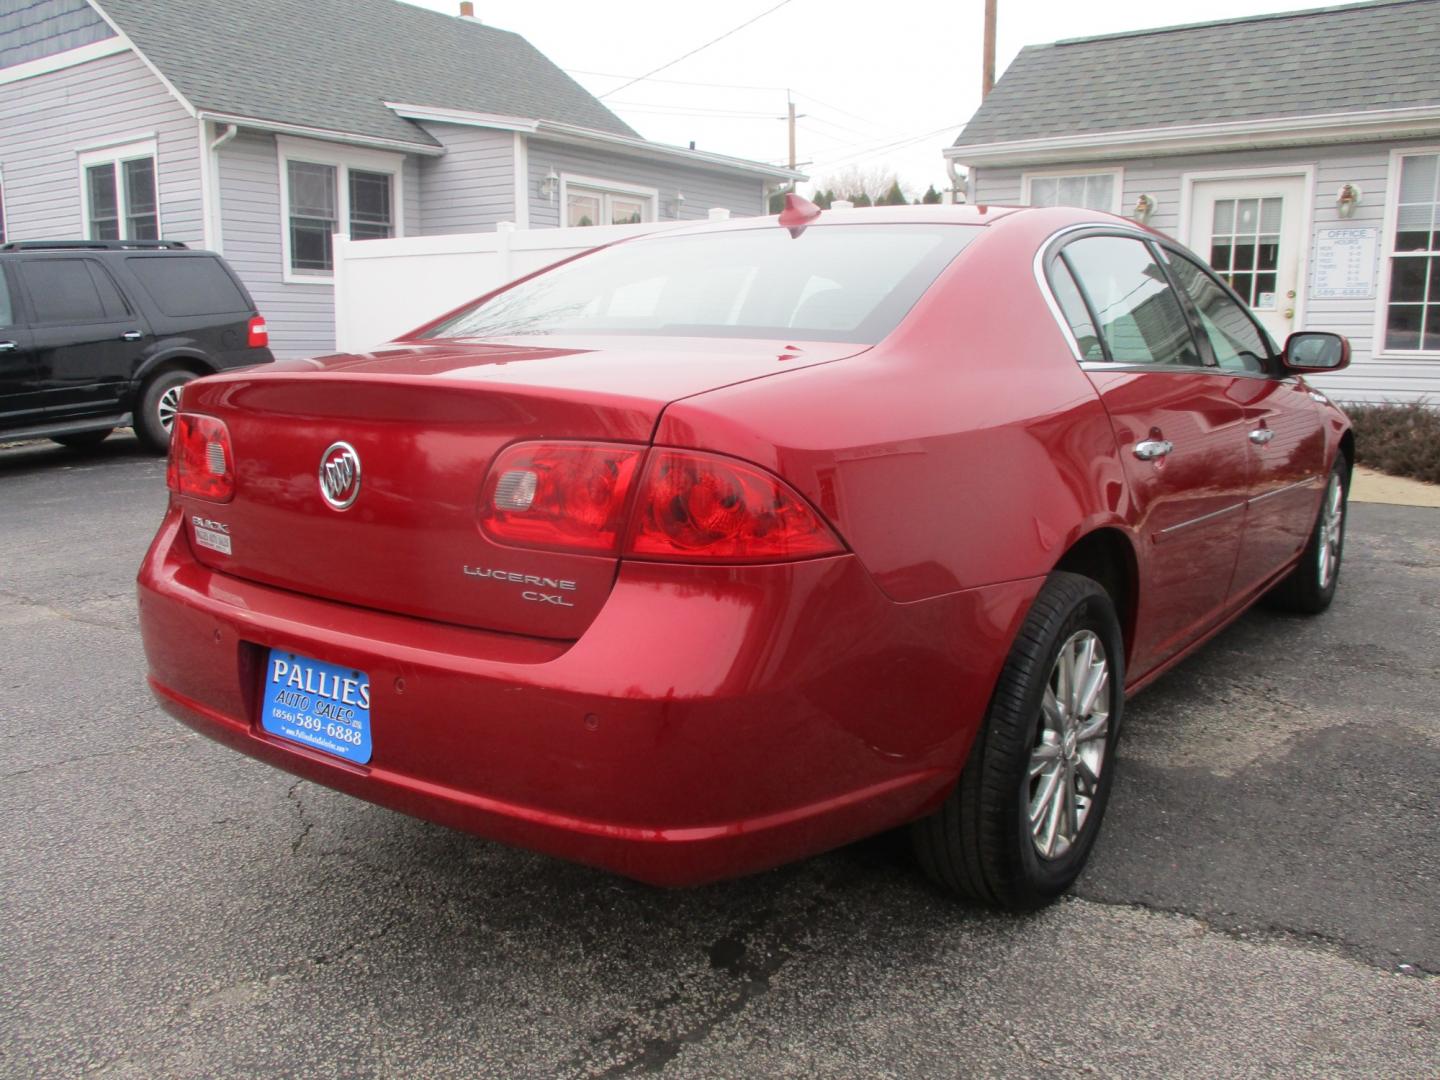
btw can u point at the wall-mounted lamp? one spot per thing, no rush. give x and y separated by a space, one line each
1346 198
1144 208
679 204
550 185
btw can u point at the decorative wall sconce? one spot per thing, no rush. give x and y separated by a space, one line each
1346 199
1144 208
679 204
550 185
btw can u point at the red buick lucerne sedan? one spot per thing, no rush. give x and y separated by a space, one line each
733 543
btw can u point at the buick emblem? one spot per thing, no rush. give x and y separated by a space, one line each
340 475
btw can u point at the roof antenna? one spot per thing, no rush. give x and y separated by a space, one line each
799 212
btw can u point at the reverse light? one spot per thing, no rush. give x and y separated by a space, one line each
560 496
702 507
201 462
688 506
257 334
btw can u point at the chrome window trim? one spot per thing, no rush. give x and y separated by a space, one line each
1043 283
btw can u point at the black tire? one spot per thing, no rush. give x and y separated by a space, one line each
82 439
1309 588
979 844
157 409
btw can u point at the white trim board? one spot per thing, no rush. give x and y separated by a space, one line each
1420 121
82 54
522 182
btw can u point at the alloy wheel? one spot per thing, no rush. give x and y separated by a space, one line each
1069 750
168 406
1332 526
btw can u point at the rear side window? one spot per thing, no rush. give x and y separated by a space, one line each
831 283
188 285
1138 313
71 290
7 307
1234 338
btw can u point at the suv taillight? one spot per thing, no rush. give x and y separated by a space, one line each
689 506
257 333
201 462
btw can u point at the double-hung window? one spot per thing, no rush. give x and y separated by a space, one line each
1412 308
327 189
119 193
1099 190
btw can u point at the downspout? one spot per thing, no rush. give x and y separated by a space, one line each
958 184
216 238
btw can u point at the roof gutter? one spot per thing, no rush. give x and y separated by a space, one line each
256 124
1420 121
573 133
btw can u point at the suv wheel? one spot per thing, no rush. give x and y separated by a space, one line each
159 402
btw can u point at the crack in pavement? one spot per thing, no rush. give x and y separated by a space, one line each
173 740
63 613
750 954
305 824
1269 933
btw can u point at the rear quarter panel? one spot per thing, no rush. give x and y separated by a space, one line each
967 448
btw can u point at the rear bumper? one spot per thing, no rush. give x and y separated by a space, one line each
711 722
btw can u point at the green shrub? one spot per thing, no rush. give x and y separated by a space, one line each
1402 440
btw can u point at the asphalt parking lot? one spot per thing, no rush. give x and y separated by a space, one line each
1264 899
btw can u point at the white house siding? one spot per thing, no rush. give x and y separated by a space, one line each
301 317
742 195
472 187
46 120
1369 378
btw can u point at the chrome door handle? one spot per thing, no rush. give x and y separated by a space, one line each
8 346
131 335
1151 449
1260 436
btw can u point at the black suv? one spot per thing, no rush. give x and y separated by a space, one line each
96 335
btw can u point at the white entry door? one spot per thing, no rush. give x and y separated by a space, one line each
1250 230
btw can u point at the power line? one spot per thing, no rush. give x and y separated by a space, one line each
898 144
692 52
675 82
842 112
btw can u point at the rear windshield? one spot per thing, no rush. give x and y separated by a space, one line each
832 283
184 285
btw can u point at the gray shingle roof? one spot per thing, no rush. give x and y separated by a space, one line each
1330 60
332 64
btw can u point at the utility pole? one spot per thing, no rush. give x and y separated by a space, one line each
792 133
988 63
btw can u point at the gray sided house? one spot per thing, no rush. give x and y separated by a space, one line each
261 128
1299 153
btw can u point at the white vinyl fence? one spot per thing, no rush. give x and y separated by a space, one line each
385 287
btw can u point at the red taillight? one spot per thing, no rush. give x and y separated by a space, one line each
562 496
690 506
258 334
695 506
201 462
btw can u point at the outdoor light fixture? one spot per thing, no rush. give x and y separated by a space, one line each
550 184
1144 207
1346 198
679 204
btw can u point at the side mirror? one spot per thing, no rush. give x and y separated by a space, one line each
1315 351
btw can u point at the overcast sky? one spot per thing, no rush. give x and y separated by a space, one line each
865 76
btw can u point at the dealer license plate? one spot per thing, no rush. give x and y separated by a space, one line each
319 705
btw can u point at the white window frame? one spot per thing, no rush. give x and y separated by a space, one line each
1387 256
115 155
342 159
607 187
1117 200
4 210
